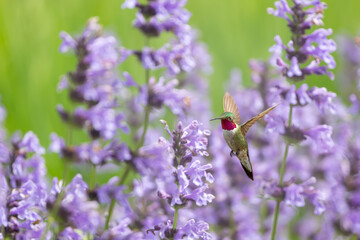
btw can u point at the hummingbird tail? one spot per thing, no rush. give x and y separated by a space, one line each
248 173
243 156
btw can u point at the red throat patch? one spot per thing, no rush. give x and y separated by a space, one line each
227 125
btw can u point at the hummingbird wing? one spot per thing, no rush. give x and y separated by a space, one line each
229 105
245 127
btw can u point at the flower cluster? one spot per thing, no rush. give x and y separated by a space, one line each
95 84
301 16
159 16
23 188
188 181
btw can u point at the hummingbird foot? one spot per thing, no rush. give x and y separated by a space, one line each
232 153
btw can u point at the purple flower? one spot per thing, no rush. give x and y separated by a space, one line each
57 143
162 15
92 152
95 82
25 161
70 234
176 57
191 230
282 10
275 124
294 69
194 230
158 16
101 120
301 17
302 95
102 56
322 98
79 212
121 231
323 46
112 190
321 137
129 4
154 158
295 195
28 204
120 151
191 140
30 143
192 184
130 82
165 93
68 42
32 168
4 189
4 153
291 96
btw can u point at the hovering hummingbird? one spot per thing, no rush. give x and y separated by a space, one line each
234 133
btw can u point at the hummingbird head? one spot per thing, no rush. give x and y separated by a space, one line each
227 121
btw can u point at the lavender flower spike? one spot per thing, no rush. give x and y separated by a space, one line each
301 16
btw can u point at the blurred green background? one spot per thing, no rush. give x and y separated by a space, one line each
31 65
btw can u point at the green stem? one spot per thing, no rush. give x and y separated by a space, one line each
111 209
176 216
276 215
263 215
282 173
112 203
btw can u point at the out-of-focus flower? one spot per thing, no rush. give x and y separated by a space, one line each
30 143
162 15
26 207
70 234
165 93
194 230
322 98
321 136
121 231
102 120
112 190
295 195
349 49
94 82
76 210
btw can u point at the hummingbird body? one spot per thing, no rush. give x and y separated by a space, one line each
237 143
234 133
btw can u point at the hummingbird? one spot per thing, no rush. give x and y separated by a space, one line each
234 132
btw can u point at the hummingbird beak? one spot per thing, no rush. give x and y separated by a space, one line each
215 119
